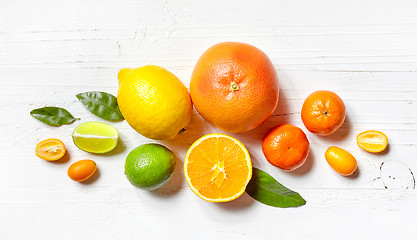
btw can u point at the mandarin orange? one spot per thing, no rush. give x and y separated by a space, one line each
286 147
323 112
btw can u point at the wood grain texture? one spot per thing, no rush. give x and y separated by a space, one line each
365 51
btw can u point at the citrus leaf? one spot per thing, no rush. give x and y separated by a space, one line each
53 116
265 189
101 104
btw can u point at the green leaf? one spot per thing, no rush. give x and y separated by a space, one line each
53 116
265 189
101 104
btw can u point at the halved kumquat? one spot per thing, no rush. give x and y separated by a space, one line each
372 141
50 149
217 168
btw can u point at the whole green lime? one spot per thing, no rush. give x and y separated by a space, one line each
149 166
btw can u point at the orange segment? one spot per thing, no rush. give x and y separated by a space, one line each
50 149
372 141
217 168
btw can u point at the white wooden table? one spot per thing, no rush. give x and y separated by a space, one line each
366 51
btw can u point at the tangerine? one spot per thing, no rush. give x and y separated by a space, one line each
286 147
323 112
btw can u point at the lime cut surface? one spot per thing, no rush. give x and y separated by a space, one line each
95 137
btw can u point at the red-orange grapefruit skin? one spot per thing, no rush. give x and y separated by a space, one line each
248 69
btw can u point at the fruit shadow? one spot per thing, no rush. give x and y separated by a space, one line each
242 202
386 151
194 131
180 144
64 159
354 175
174 184
93 178
281 115
119 149
341 134
306 167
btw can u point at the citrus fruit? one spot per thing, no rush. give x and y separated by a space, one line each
234 86
95 137
50 149
154 102
149 166
323 112
122 75
286 146
217 168
82 170
372 141
341 160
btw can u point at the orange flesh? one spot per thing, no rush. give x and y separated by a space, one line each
50 149
218 169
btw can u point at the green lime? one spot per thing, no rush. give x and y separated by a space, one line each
149 166
95 137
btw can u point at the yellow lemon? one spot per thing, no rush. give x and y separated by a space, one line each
154 101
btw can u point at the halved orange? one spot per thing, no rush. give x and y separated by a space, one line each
372 141
217 168
50 149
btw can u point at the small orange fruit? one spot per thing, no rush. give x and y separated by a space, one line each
323 112
286 147
50 149
341 160
217 168
82 170
372 141
234 86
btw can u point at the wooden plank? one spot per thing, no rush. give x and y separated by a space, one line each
365 51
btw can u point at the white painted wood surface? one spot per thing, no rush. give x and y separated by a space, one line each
366 51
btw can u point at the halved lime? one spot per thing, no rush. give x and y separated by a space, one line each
95 137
